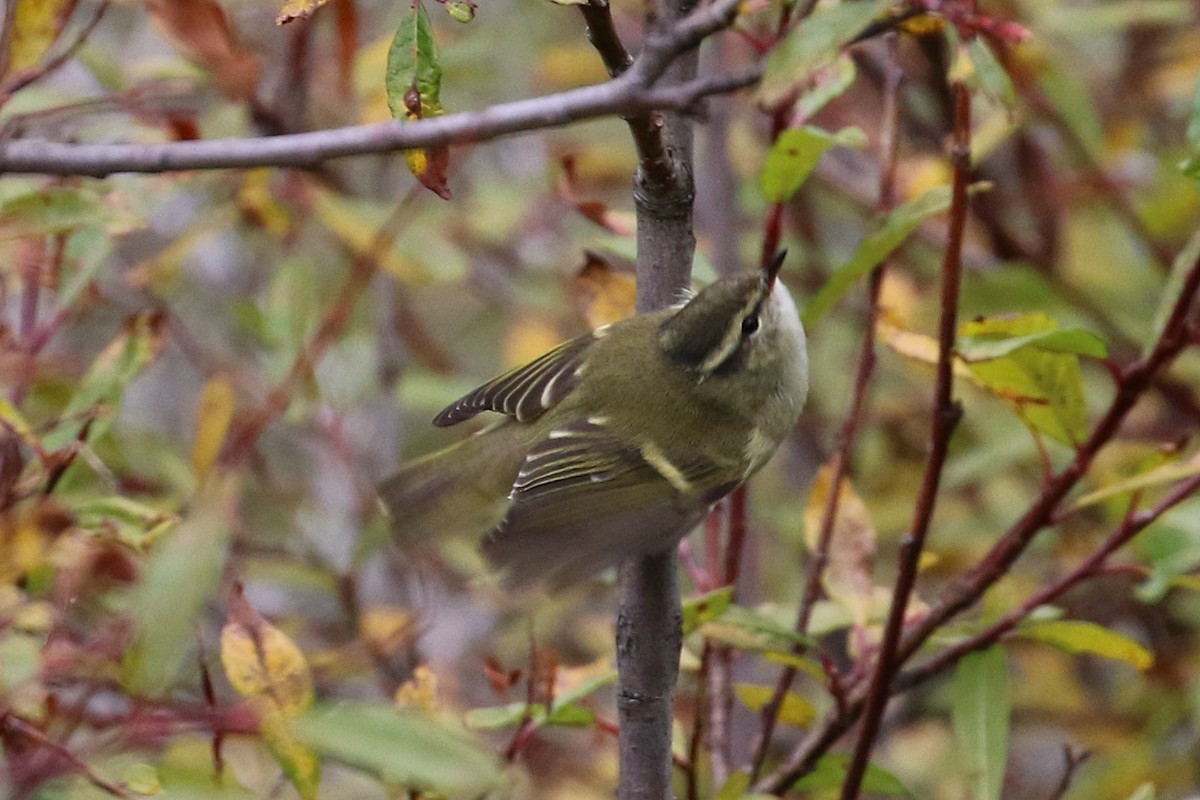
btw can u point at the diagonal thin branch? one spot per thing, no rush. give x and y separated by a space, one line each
946 414
636 91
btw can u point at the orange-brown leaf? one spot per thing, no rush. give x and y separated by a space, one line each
602 293
201 29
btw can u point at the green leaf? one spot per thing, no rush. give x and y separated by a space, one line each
414 74
708 606
980 708
1160 475
794 156
991 75
795 710
830 773
183 572
1043 385
812 45
1077 636
1171 546
137 524
1070 340
1170 293
100 391
752 631
832 81
47 211
564 711
407 748
735 787
460 11
876 247
1191 165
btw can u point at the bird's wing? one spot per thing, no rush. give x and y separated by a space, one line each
585 500
527 391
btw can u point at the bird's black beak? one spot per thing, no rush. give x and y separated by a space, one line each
772 269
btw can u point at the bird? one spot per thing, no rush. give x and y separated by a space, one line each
616 443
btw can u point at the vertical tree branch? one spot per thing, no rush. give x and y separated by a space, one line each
648 622
946 414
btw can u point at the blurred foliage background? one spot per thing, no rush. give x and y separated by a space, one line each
206 373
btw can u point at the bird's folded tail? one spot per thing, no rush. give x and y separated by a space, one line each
461 490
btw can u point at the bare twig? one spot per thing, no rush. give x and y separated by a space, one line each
946 414
638 90
1072 760
1093 565
849 432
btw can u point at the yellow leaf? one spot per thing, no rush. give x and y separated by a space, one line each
848 575
213 415
418 162
795 710
141 778
605 295
297 9
420 692
256 202
299 762
262 663
35 26
1079 636
385 630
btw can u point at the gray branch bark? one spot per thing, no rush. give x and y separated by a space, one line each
647 85
648 625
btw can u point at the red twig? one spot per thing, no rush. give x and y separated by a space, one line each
841 459
1095 564
946 414
12 724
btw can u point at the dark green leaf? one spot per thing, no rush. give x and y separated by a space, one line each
406 748
876 247
981 709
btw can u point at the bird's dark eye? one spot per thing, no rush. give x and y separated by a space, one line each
750 325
